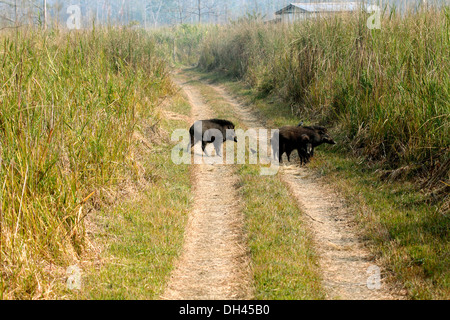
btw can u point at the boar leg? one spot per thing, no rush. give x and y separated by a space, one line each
204 143
288 154
190 144
303 158
280 153
217 145
275 152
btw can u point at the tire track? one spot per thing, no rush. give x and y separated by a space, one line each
348 268
214 263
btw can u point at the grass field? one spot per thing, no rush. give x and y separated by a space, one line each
70 103
386 90
86 177
139 238
385 96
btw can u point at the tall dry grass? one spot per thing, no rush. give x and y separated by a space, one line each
180 44
68 106
386 91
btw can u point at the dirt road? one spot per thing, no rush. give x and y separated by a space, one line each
215 263
348 269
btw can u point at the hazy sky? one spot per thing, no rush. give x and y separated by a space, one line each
158 12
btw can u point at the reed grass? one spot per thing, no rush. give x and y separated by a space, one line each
180 45
386 91
69 103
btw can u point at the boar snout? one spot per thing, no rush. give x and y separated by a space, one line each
327 139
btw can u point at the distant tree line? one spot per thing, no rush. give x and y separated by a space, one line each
145 13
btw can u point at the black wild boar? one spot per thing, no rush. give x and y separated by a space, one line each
319 129
324 136
207 131
290 140
303 147
302 139
305 150
285 142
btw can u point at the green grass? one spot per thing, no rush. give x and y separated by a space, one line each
143 235
180 45
284 262
70 102
406 227
387 90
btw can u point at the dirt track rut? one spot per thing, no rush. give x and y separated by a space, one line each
348 269
214 263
